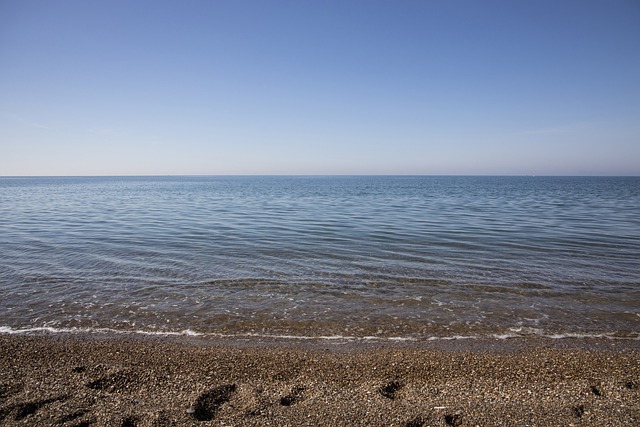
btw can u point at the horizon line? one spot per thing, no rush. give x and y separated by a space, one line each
316 175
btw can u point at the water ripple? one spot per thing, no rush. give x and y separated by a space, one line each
347 256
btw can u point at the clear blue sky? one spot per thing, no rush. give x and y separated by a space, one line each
319 87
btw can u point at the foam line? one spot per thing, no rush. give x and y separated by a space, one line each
514 333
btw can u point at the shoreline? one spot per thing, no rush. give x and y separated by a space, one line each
563 340
73 380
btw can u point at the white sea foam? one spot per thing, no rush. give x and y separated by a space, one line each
48 329
513 333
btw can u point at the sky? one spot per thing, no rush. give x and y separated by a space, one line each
195 87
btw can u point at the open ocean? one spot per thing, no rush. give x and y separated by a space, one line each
344 258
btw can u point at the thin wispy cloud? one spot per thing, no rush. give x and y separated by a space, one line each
102 131
16 118
562 129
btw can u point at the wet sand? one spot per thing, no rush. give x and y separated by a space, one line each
84 381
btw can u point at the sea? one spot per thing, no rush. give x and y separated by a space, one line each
342 258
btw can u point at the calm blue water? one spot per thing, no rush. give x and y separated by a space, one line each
360 257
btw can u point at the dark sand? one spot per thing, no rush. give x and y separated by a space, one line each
76 381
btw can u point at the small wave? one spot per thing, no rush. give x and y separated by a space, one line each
189 333
524 332
48 329
512 334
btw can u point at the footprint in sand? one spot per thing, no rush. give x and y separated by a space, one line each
210 401
294 397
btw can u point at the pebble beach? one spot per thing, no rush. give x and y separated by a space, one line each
86 381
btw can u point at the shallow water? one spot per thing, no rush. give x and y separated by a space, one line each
401 258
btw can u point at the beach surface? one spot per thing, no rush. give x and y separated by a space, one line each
87 381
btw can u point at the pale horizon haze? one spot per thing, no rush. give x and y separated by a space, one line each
319 87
